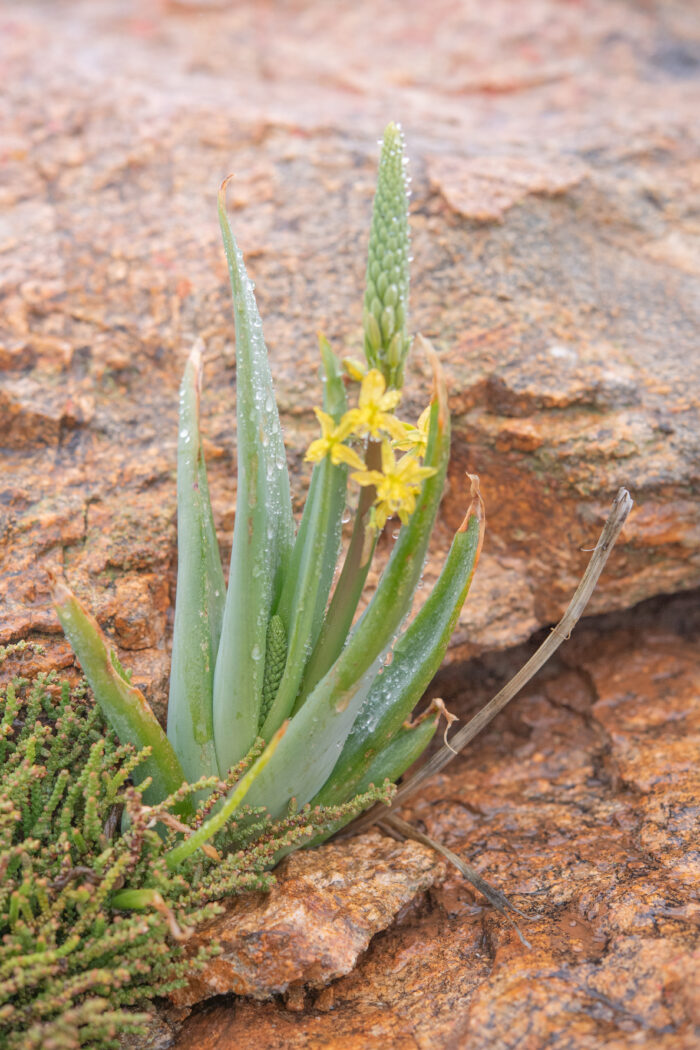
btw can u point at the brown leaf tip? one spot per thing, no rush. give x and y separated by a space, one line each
476 508
439 392
60 593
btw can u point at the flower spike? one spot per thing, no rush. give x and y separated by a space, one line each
386 292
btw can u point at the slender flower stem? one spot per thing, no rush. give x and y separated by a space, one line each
349 586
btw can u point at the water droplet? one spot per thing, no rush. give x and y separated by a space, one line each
255 652
395 534
184 432
347 515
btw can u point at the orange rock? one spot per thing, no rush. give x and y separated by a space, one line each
314 923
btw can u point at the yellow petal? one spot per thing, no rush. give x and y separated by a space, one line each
317 450
388 461
327 422
354 368
368 477
390 400
410 438
346 425
373 386
381 514
394 427
343 454
409 471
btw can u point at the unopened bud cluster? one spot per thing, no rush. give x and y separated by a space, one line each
386 293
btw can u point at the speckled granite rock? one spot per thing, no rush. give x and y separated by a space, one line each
318 918
555 182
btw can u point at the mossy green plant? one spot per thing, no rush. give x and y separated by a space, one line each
93 919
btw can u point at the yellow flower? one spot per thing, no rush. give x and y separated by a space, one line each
354 368
374 413
397 484
331 442
416 438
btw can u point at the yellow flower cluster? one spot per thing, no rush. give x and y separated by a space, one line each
399 481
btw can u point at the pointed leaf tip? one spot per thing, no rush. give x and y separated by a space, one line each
59 592
439 392
476 508
121 703
195 360
221 196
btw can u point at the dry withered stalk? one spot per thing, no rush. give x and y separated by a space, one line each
378 815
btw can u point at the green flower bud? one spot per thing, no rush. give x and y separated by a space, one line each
373 335
388 320
395 351
386 295
275 659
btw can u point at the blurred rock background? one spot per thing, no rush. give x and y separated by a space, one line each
556 232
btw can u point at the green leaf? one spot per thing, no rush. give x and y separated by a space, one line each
124 706
318 730
201 589
416 657
137 900
310 576
402 751
391 763
264 527
215 823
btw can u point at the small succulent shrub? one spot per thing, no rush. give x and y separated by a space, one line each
92 918
279 656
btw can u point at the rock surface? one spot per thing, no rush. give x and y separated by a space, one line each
317 919
556 178
583 804
555 187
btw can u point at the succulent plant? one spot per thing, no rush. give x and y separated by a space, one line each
279 654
